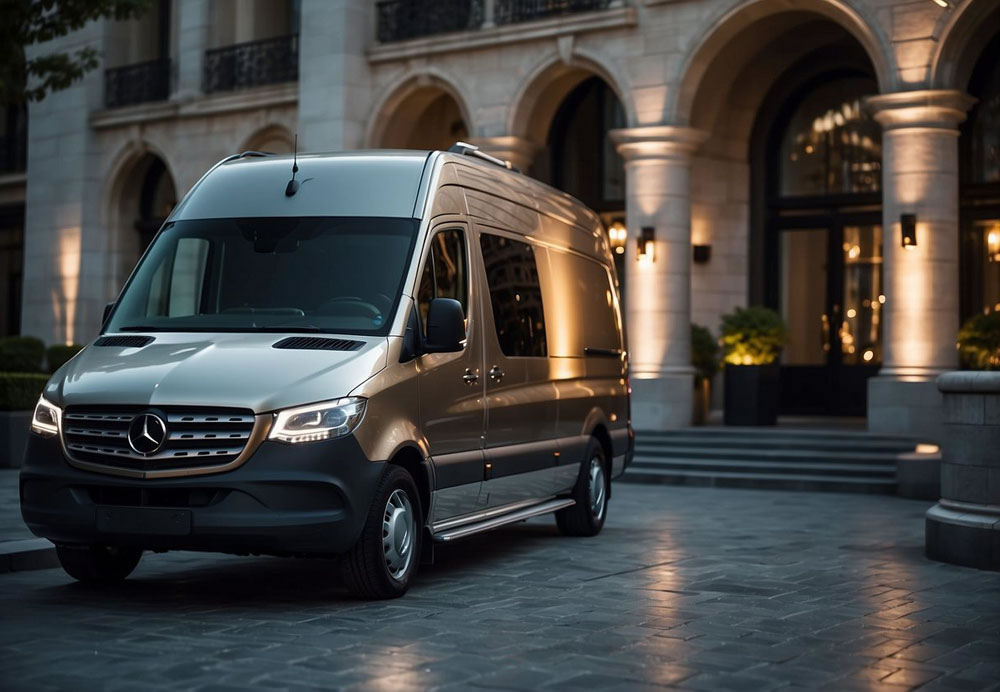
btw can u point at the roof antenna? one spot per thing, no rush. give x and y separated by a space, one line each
293 184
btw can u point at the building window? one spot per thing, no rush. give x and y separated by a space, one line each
831 146
11 267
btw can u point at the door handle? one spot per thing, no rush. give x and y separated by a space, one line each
470 377
496 374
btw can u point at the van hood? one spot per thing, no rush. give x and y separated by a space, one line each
194 369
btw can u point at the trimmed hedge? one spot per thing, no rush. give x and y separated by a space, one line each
19 391
21 354
57 354
752 336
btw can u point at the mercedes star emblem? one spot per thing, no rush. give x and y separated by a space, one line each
146 433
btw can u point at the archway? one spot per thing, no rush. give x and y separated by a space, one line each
142 198
423 114
979 215
273 139
790 152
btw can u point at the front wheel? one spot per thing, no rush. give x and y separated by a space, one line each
98 564
384 560
586 517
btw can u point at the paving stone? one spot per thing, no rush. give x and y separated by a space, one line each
693 588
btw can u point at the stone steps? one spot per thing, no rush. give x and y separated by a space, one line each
772 458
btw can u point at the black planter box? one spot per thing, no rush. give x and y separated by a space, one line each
751 394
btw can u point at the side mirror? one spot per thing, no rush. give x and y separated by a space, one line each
445 326
107 313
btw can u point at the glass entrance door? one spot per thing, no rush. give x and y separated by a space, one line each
830 296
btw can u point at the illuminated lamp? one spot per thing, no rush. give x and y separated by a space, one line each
618 236
647 245
908 226
993 244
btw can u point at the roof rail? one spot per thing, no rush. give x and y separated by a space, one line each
466 149
246 155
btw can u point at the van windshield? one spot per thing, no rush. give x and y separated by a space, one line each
340 275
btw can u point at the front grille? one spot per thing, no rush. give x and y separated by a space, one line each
204 436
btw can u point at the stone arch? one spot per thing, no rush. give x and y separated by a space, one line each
272 139
739 34
963 34
548 84
140 193
429 95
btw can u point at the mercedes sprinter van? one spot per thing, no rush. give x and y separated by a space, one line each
354 355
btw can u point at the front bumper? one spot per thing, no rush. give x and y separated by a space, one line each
300 499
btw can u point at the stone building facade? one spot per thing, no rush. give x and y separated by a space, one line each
797 143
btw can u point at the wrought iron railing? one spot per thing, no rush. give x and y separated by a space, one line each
139 83
515 11
399 20
251 64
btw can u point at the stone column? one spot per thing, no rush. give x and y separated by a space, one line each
192 41
518 150
658 293
964 526
920 317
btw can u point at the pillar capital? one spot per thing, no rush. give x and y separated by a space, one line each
519 151
657 142
942 109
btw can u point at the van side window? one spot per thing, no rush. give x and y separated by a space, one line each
584 304
446 273
515 294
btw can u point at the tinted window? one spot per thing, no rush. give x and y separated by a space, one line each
309 274
446 273
515 295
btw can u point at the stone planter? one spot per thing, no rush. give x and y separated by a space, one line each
751 394
964 526
13 437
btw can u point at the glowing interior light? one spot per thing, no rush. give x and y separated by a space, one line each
852 313
868 355
881 299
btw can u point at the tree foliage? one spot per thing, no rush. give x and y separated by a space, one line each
25 23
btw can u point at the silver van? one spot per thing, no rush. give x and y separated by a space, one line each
359 355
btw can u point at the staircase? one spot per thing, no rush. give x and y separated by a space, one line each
775 458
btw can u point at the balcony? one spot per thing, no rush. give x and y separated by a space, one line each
140 83
400 20
252 64
516 11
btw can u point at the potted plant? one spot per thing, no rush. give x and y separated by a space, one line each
752 339
979 342
705 359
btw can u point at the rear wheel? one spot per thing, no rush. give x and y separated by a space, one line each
384 560
586 517
98 564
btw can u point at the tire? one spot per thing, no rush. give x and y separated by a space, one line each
586 517
98 564
384 561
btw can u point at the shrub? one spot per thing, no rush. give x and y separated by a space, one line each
704 352
21 354
57 354
979 342
19 391
752 336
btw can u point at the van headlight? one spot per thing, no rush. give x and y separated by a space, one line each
319 421
45 419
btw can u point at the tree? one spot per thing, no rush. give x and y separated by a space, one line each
27 22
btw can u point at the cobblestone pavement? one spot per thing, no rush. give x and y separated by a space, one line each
698 588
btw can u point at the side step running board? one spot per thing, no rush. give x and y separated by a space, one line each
503 519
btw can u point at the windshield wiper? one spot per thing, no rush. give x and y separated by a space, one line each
139 328
303 328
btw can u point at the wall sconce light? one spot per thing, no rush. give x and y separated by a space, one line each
993 244
647 245
908 226
702 253
618 236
